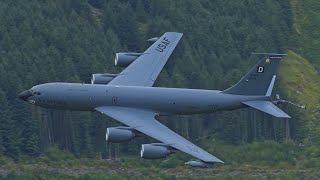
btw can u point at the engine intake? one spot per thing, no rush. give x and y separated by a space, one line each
102 78
154 151
119 134
125 59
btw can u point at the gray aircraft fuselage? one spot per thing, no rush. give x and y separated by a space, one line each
165 101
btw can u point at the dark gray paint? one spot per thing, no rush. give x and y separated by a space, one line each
257 80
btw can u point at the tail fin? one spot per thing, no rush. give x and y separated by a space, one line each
260 79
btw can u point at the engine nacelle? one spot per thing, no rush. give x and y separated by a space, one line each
153 39
154 151
119 134
102 78
198 164
125 59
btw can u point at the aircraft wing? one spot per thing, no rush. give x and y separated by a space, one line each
147 67
145 122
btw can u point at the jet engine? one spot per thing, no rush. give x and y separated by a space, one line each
198 164
154 151
102 78
119 134
125 59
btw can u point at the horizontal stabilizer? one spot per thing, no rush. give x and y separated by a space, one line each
267 107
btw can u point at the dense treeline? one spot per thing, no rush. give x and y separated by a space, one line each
69 40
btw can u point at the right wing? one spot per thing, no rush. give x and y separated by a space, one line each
145 122
147 67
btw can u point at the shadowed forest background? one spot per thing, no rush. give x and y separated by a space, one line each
67 41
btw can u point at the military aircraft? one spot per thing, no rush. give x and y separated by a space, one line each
129 98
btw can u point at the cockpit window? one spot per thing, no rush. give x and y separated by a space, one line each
35 92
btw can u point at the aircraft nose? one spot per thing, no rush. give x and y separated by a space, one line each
25 95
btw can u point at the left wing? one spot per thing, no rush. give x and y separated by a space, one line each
147 67
145 122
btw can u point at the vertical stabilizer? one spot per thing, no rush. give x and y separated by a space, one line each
260 79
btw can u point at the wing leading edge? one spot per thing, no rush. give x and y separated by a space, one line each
145 122
147 67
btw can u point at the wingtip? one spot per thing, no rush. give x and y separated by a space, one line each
285 115
219 161
215 160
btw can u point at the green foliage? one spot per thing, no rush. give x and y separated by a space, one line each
70 40
305 38
97 176
16 176
263 159
301 82
260 154
54 154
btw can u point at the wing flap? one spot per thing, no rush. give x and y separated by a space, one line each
145 122
267 107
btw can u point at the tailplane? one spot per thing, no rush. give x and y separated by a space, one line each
260 79
267 107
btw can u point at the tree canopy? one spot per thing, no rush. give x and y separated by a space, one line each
67 41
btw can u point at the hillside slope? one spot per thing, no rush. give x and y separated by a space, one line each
300 82
299 73
305 37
